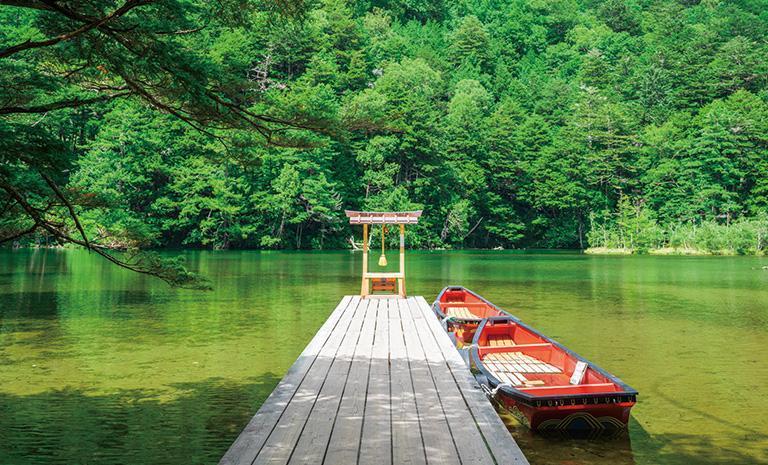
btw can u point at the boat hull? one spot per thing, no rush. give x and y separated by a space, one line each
474 308
571 420
550 388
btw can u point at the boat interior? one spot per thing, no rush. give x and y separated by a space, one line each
459 303
527 361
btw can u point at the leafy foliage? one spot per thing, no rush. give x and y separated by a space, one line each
513 123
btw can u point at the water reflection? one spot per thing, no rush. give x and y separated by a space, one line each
101 366
73 426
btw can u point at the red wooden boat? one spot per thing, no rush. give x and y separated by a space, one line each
547 386
461 311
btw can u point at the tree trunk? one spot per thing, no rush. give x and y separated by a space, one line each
581 233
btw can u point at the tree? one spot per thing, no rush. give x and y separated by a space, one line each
58 56
469 43
512 123
301 201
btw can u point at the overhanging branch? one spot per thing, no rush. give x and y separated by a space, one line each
170 271
71 103
127 6
32 4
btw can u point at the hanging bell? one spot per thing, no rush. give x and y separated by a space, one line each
383 258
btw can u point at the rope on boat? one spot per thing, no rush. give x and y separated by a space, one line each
495 390
444 322
492 393
486 389
492 396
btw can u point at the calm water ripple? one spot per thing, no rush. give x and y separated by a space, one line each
101 366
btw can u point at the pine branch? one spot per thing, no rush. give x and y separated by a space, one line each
19 234
31 4
69 206
127 6
72 103
171 271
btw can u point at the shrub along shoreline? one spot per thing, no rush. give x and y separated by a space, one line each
633 229
666 251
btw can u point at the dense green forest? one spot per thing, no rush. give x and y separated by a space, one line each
512 123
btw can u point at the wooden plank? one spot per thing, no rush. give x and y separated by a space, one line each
460 312
532 364
510 378
513 378
516 363
380 383
374 275
407 443
578 372
527 368
517 368
500 442
281 441
534 382
499 362
252 438
524 365
312 444
376 440
344 444
438 442
467 437
537 365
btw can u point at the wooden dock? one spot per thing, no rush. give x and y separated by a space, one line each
380 383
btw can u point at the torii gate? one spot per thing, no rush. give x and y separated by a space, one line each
373 282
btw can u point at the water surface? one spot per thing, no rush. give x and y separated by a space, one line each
102 366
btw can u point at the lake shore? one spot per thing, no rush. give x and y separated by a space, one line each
664 251
672 251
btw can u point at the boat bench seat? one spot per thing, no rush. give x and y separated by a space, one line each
510 367
460 312
502 340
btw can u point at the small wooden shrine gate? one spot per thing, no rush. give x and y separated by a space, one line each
383 282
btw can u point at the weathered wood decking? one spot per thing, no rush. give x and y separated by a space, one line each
380 383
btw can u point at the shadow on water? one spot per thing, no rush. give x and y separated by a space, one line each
685 449
99 365
541 450
71 426
743 428
634 446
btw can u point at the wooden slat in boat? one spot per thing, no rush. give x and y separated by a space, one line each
460 312
514 362
497 341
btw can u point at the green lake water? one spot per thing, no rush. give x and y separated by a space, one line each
102 366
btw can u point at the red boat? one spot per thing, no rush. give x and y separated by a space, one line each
544 384
461 311
547 386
